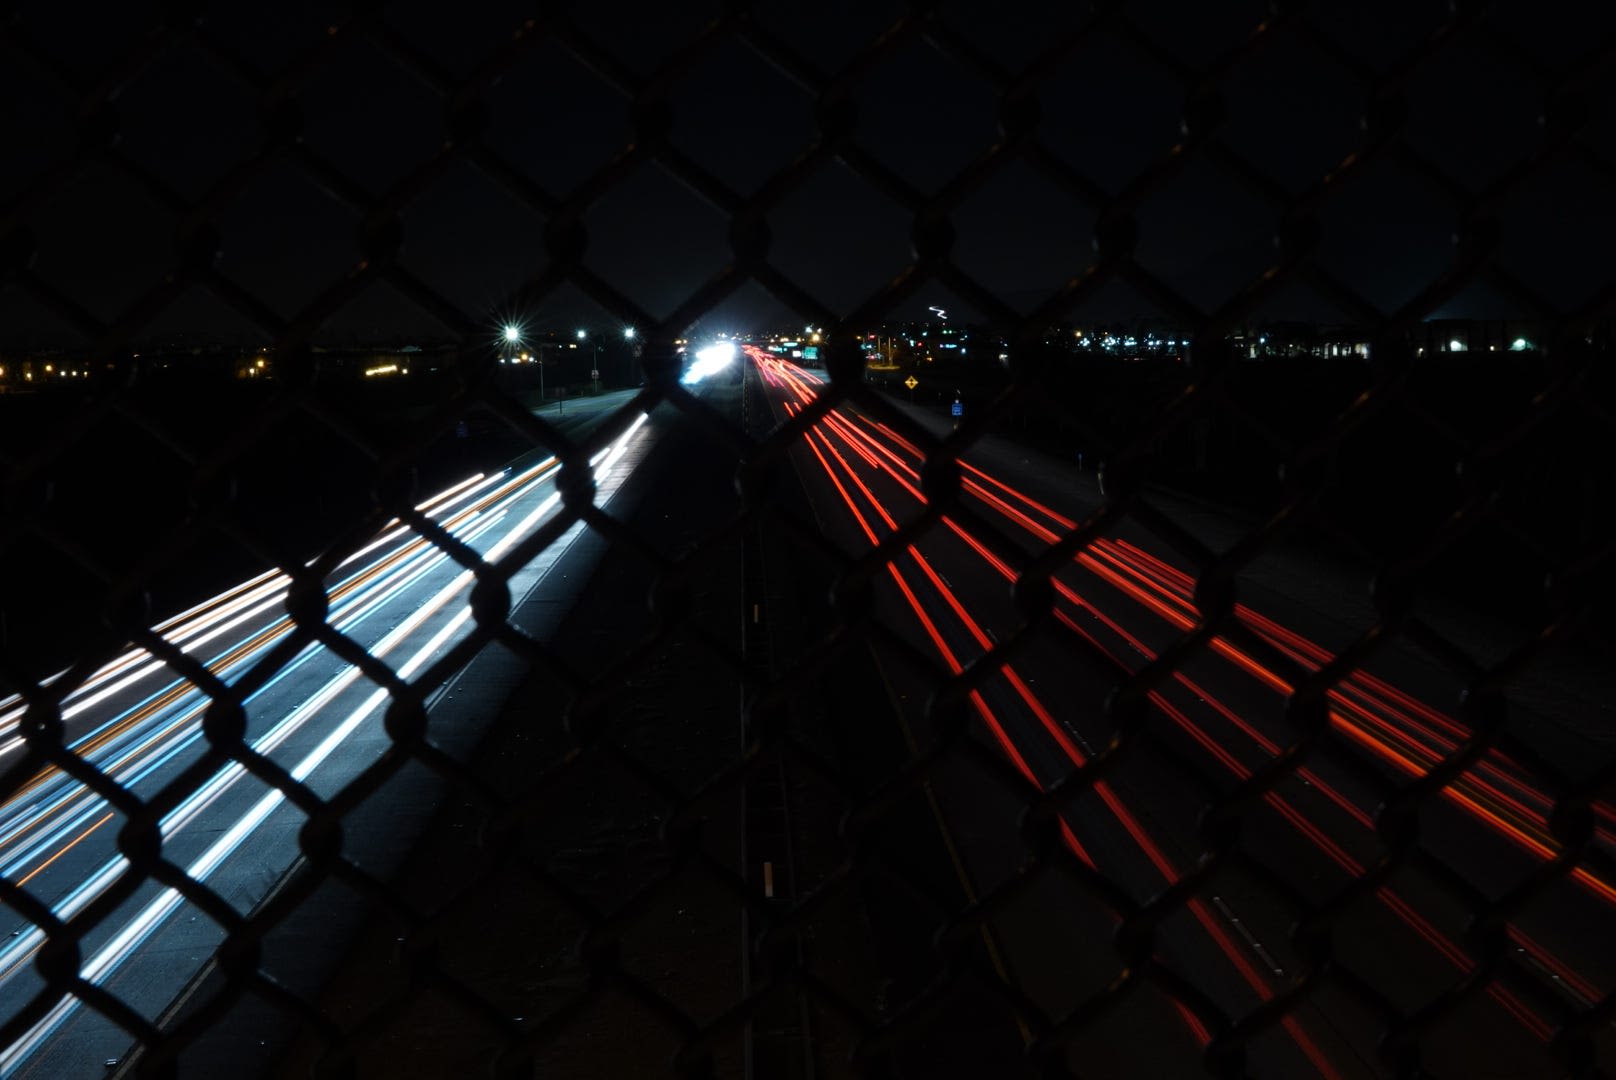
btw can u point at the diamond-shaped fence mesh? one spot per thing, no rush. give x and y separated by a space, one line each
773 677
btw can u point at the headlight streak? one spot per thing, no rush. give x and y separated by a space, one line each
101 741
269 585
138 929
709 361
148 743
344 619
8 713
18 950
107 958
443 503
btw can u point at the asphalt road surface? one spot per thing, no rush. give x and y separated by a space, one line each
1212 721
1126 842
311 719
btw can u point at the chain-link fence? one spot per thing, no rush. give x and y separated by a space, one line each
405 681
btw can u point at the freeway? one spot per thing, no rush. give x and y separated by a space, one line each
1215 720
312 721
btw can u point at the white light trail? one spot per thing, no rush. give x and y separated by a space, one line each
270 583
709 361
113 952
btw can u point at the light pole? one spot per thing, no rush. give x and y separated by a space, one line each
513 337
594 366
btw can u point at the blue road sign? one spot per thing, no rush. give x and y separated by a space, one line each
958 410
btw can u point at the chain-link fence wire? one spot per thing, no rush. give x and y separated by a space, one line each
1212 387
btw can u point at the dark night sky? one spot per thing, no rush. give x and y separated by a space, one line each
1108 111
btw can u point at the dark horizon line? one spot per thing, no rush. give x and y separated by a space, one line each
204 339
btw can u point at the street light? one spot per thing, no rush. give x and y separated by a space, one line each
628 332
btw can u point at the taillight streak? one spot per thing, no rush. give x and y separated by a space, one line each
864 444
1532 838
1131 825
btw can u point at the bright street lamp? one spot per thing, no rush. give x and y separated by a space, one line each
628 332
582 334
513 334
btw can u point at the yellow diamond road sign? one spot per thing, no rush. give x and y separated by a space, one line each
911 382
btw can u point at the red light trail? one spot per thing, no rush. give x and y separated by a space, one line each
1391 725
